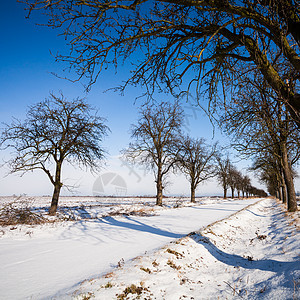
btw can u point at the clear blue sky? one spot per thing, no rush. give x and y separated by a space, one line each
25 78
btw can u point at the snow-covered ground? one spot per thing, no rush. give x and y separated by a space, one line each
115 247
254 254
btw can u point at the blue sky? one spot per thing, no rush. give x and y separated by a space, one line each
25 78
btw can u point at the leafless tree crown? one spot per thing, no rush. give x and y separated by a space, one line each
200 46
155 139
54 131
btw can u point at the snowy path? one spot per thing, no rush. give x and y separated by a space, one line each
55 258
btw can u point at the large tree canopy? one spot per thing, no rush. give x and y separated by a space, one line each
182 44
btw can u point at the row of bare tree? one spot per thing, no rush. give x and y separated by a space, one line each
230 177
243 56
263 129
56 131
159 144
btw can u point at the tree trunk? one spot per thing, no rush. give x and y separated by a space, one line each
56 192
282 184
232 193
55 198
288 178
193 199
284 195
225 193
159 193
279 193
238 193
159 187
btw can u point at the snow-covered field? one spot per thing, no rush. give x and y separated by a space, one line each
128 249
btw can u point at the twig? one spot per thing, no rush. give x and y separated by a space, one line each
233 289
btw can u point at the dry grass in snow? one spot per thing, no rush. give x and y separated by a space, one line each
19 212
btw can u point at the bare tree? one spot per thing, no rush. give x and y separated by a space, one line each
195 160
155 140
246 185
223 167
238 182
54 131
182 44
231 179
234 180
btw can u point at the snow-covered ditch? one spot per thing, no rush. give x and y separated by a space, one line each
130 249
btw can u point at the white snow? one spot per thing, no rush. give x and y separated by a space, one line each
51 260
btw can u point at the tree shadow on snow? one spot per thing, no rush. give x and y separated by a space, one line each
213 208
239 261
139 226
256 214
94 230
